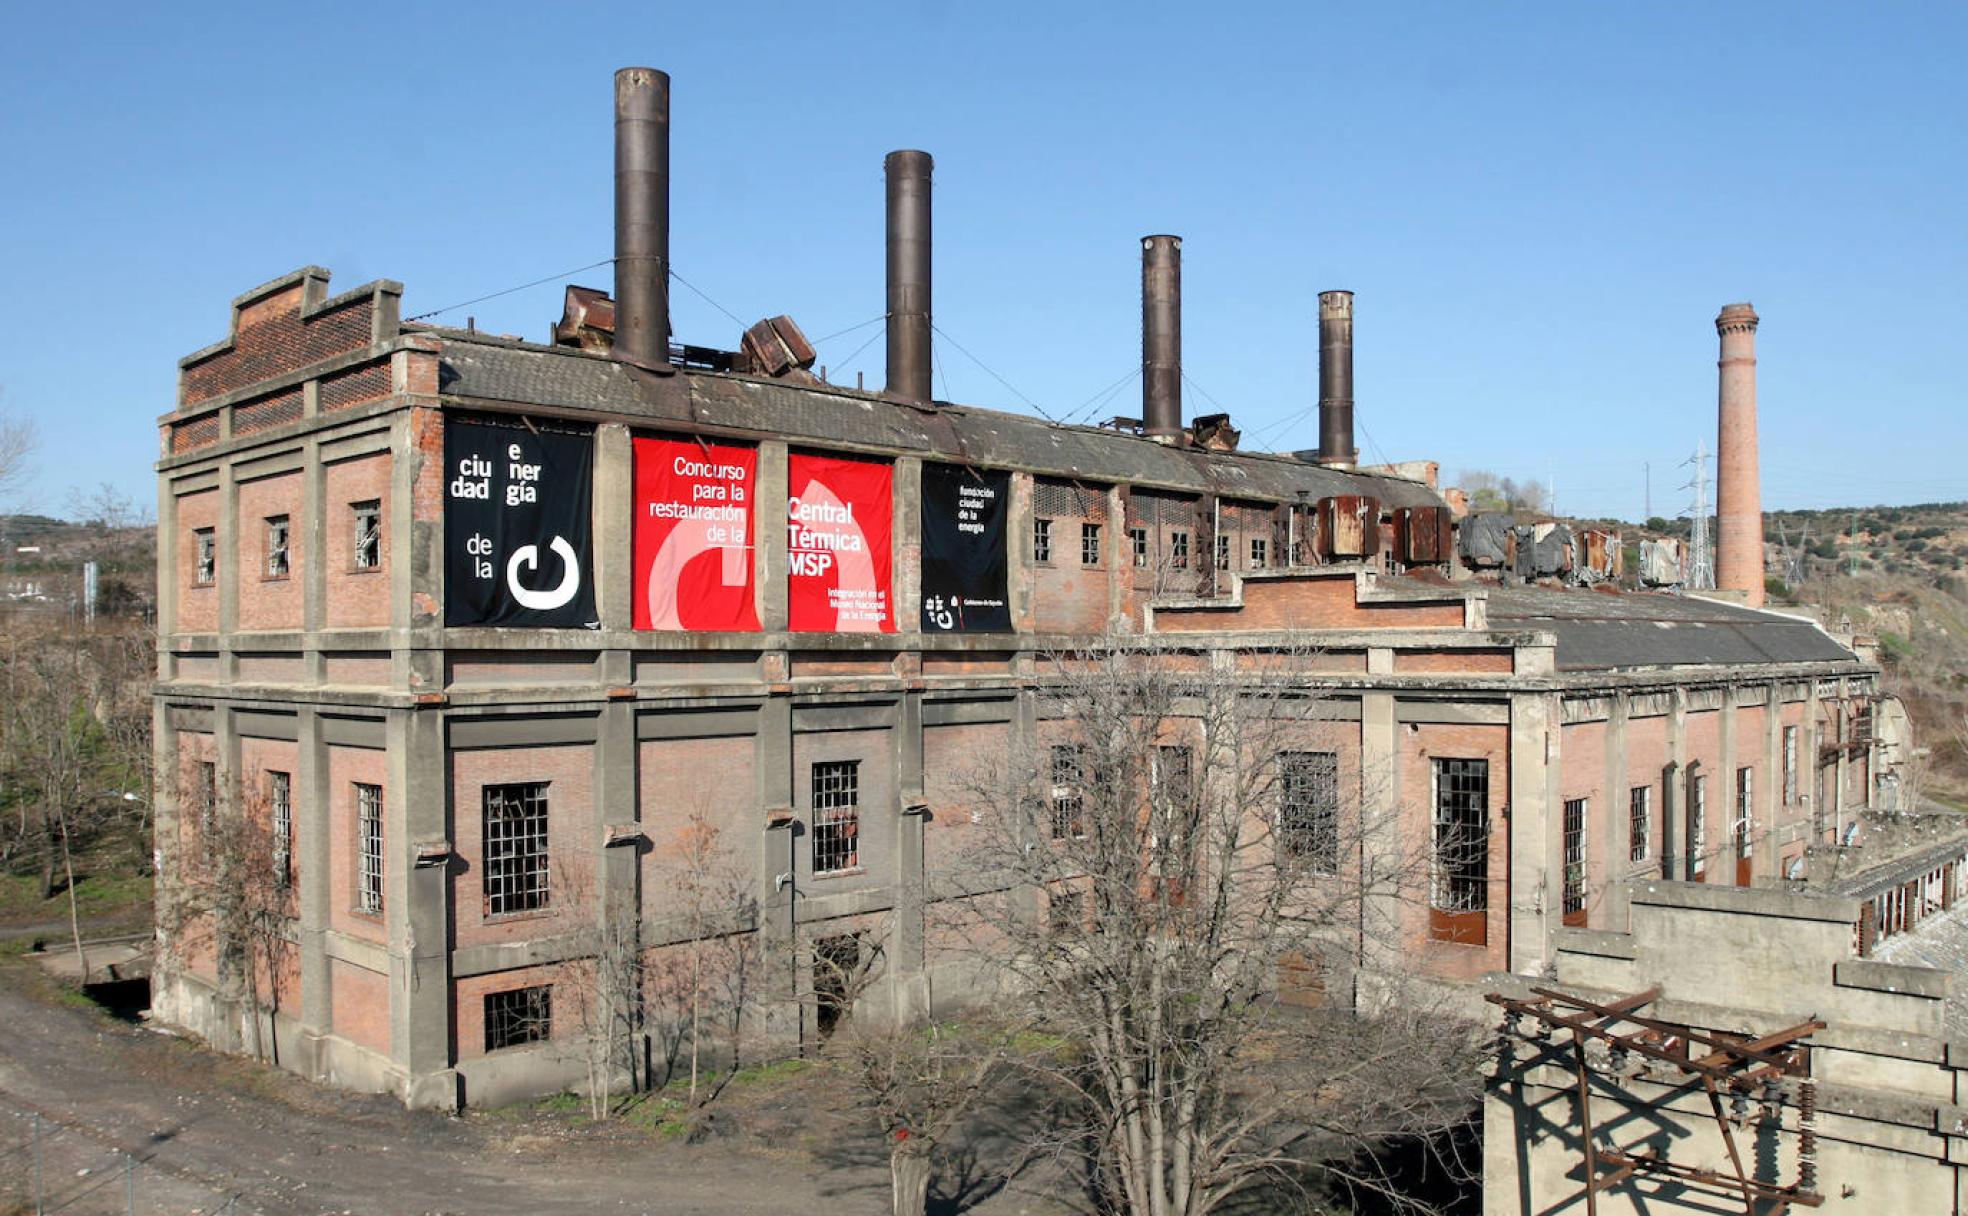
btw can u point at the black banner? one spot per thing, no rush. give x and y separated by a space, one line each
518 540
964 564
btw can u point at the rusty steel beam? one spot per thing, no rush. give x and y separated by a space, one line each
642 216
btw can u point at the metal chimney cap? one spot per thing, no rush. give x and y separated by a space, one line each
906 154
1146 241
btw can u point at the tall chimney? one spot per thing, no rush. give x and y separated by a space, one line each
1336 379
907 173
642 215
1161 337
1738 488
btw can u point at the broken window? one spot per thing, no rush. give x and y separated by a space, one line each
1089 544
1222 551
207 571
1639 822
368 520
1462 843
1790 765
1138 542
1745 811
276 546
1068 777
518 1016
1574 842
836 968
1698 826
515 835
1308 808
1041 540
280 807
836 816
369 848
1259 552
1179 550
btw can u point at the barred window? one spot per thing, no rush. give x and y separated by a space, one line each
1041 540
1574 832
1745 810
1462 840
1790 765
1260 552
1089 544
1639 822
208 556
1179 550
368 517
280 805
369 848
276 546
516 875
206 792
1138 543
1698 826
836 816
1308 808
1222 551
518 1016
1068 782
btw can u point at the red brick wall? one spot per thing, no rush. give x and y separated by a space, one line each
1582 760
468 1002
272 339
346 767
874 749
701 812
1419 748
357 598
198 606
258 757
359 999
1646 758
956 762
573 841
1483 662
268 603
1310 603
1703 743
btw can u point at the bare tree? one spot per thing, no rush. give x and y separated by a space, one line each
17 442
1174 841
599 992
700 989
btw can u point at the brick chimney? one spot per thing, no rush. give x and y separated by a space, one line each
1738 487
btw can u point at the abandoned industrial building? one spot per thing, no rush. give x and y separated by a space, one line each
461 609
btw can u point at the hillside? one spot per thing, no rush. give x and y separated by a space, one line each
41 562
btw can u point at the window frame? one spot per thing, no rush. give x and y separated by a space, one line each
369 894
515 821
835 790
1460 885
1307 816
205 557
1089 543
366 547
280 815
279 552
1572 840
1639 822
1178 549
1790 781
1260 552
1138 546
528 1021
1042 540
1067 803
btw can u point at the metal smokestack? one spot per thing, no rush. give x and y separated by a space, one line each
1336 379
642 215
1738 486
1161 337
907 174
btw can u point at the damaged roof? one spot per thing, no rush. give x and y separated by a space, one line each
1599 630
479 367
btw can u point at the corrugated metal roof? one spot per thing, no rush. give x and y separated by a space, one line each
1598 630
475 366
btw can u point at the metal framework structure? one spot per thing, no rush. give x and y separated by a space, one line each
1739 1065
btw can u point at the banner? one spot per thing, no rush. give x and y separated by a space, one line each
964 565
837 545
518 541
693 535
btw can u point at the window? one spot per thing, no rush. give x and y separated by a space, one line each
1308 808
1041 540
1179 550
1745 810
1790 765
1065 913
280 806
1259 552
205 792
1462 846
836 967
1175 777
369 848
1698 826
518 1016
1068 775
1574 829
516 876
1089 544
1222 551
1639 822
1138 542
836 816
276 546
208 556
368 534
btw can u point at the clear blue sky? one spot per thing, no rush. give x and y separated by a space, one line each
1540 207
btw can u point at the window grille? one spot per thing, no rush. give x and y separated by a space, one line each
1179 550
1058 499
368 534
1222 551
1308 808
1259 552
369 848
1698 827
1175 776
1041 540
1089 544
836 816
276 546
1462 846
518 1016
1790 765
516 873
1574 833
208 556
1138 542
1639 822
1068 781
1745 810
280 803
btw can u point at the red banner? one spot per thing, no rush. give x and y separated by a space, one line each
694 506
837 545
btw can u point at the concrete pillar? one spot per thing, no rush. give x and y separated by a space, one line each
1018 522
769 552
906 543
616 803
1674 790
908 976
416 555
1809 784
1120 559
778 856
1535 851
313 542
312 843
228 572
1615 853
169 547
1770 797
417 908
1738 491
1380 833
614 524
1722 848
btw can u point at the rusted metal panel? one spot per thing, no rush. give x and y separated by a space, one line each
1489 541
1349 527
1598 555
1423 536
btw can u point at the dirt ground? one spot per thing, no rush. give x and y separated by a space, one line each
202 1130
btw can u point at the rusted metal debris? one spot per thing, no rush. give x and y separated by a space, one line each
1349 527
1738 1065
1423 536
1213 433
774 347
1598 555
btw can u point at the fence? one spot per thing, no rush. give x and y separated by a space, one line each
47 1167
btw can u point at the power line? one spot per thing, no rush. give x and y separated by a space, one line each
708 300
438 312
850 329
1000 379
1093 403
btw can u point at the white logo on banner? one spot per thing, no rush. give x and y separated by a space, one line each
529 557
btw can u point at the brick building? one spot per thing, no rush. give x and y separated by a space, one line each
458 610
